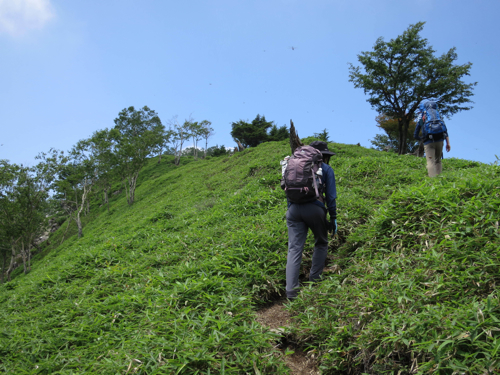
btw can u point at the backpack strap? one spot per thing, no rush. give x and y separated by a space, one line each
315 183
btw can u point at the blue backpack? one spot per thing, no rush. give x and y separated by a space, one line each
434 126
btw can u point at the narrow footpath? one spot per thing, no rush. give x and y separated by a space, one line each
276 318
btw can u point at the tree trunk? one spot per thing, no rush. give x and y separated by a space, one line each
79 224
11 265
125 186
294 138
400 134
406 124
86 191
4 264
132 185
240 146
159 155
25 259
29 256
106 198
178 160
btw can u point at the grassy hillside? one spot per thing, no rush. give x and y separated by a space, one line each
171 285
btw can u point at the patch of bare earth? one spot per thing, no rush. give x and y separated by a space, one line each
275 317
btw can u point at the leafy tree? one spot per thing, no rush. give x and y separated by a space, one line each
66 190
24 195
182 135
391 139
173 140
170 150
167 137
77 174
176 146
196 131
10 226
139 132
179 136
251 134
102 148
190 151
244 132
56 164
85 171
23 199
383 142
278 134
398 75
4 248
323 136
207 132
7 208
31 193
217 151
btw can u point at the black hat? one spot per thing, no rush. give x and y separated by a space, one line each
322 146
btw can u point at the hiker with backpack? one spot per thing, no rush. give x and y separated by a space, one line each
309 183
434 132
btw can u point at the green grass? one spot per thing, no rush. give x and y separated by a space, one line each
171 284
419 292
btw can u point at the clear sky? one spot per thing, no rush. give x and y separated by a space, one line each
67 68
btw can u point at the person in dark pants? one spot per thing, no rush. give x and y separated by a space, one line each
302 217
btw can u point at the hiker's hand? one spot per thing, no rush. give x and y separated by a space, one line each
332 226
448 147
329 226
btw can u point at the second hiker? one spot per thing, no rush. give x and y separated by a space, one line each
309 183
434 132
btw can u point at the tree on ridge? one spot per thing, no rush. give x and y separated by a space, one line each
139 134
398 75
391 137
251 134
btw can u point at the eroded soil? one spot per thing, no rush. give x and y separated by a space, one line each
276 317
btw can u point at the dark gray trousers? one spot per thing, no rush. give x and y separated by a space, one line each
299 219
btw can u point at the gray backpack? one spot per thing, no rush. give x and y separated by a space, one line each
302 176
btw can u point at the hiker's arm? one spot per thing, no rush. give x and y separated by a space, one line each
331 192
447 138
417 130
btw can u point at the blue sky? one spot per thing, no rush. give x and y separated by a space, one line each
67 68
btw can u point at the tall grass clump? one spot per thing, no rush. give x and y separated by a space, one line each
419 289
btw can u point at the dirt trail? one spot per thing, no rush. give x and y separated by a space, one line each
275 317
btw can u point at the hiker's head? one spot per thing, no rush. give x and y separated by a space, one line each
323 148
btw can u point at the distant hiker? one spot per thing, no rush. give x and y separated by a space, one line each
434 132
309 183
